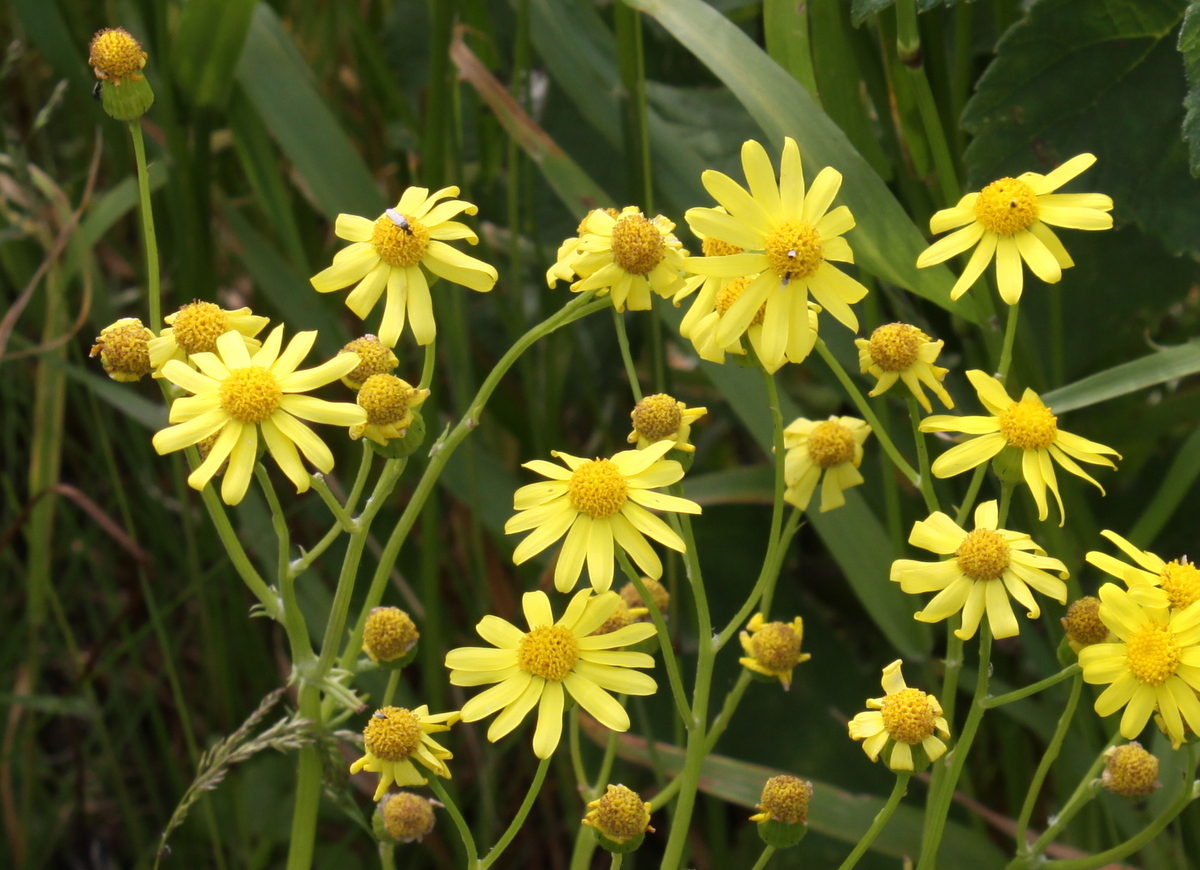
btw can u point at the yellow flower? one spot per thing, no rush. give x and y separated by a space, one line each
785 798
660 417
903 718
388 253
238 396
833 447
195 328
1083 626
790 240
899 351
619 814
123 348
1153 583
389 402
1011 219
375 359
115 55
533 668
407 816
628 255
594 503
1155 665
1027 425
989 564
568 256
773 648
395 737
1130 771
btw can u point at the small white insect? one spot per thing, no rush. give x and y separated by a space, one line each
399 220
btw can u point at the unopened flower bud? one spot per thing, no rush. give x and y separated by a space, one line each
117 59
658 592
1082 623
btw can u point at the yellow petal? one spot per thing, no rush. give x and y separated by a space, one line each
975 266
285 455
571 556
536 606
241 466
1009 275
549 720
600 555
349 266
420 307
966 456
601 705
632 542
510 717
313 448
821 194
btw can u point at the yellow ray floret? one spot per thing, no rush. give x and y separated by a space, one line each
1153 582
902 719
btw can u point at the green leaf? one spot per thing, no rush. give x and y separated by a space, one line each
1189 47
1098 76
885 241
860 10
1138 374
208 43
1175 486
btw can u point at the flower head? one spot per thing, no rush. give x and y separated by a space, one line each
1083 626
595 503
902 719
239 396
773 648
533 668
619 815
661 417
1130 771
374 359
124 349
389 634
658 593
568 256
1028 426
407 816
832 447
1011 219
1152 582
389 403
628 255
395 737
115 55
784 798
623 615
1154 665
989 564
195 328
899 351
790 241
390 253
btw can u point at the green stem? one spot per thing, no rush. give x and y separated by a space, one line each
864 408
293 618
519 819
582 782
234 549
1006 491
908 50
428 365
926 478
308 788
766 578
881 820
626 356
1052 750
151 240
339 513
631 64
972 493
615 861
1010 335
464 832
767 852
387 856
1033 689
674 676
606 765
390 692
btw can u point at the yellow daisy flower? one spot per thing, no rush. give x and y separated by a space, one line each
901 352
662 418
1154 666
238 395
388 253
389 402
595 502
195 328
989 564
1011 219
1027 425
790 240
708 285
773 648
115 55
832 447
568 256
628 255
533 668
902 718
1153 583
395 737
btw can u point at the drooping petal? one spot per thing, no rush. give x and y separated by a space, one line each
966 456
634 543
543 537
976 265
1009 275
600 555
314 449
549 720
241 466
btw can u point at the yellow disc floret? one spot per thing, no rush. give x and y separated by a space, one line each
392 734
406 816
114 54
124 349
716 248
794 250
385 398
388 634
830 443
375 359
983 555
657 417
1130 771
908 716
251 394
1006 207
619 815
1153 654
894 346
784 799
1028 424
548 652
400 244
1082 622
776 646
637 244
1180 579
598 489
198 325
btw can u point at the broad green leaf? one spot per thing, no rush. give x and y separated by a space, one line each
208 43
1165 365
280 85
1098 76
1189 47
885 240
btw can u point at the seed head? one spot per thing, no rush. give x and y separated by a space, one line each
1130 771
124 349
619 815
389 634
784 799
375 359
407 816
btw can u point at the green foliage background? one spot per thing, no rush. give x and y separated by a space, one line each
127 648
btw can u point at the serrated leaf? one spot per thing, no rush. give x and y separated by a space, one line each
1189 47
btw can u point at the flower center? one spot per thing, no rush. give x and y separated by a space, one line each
983 555
716 248
637 245
375 359
794 249
1006 207
830 443
776 646
250 395
894 347
384 398
657 417
620 815
389 633
115 53
1028 424
1181 581
407 816
395 736
124 349
548 652
908 716
400 244
729 293
785 799
197 326
1082 622
1152 654
598 489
